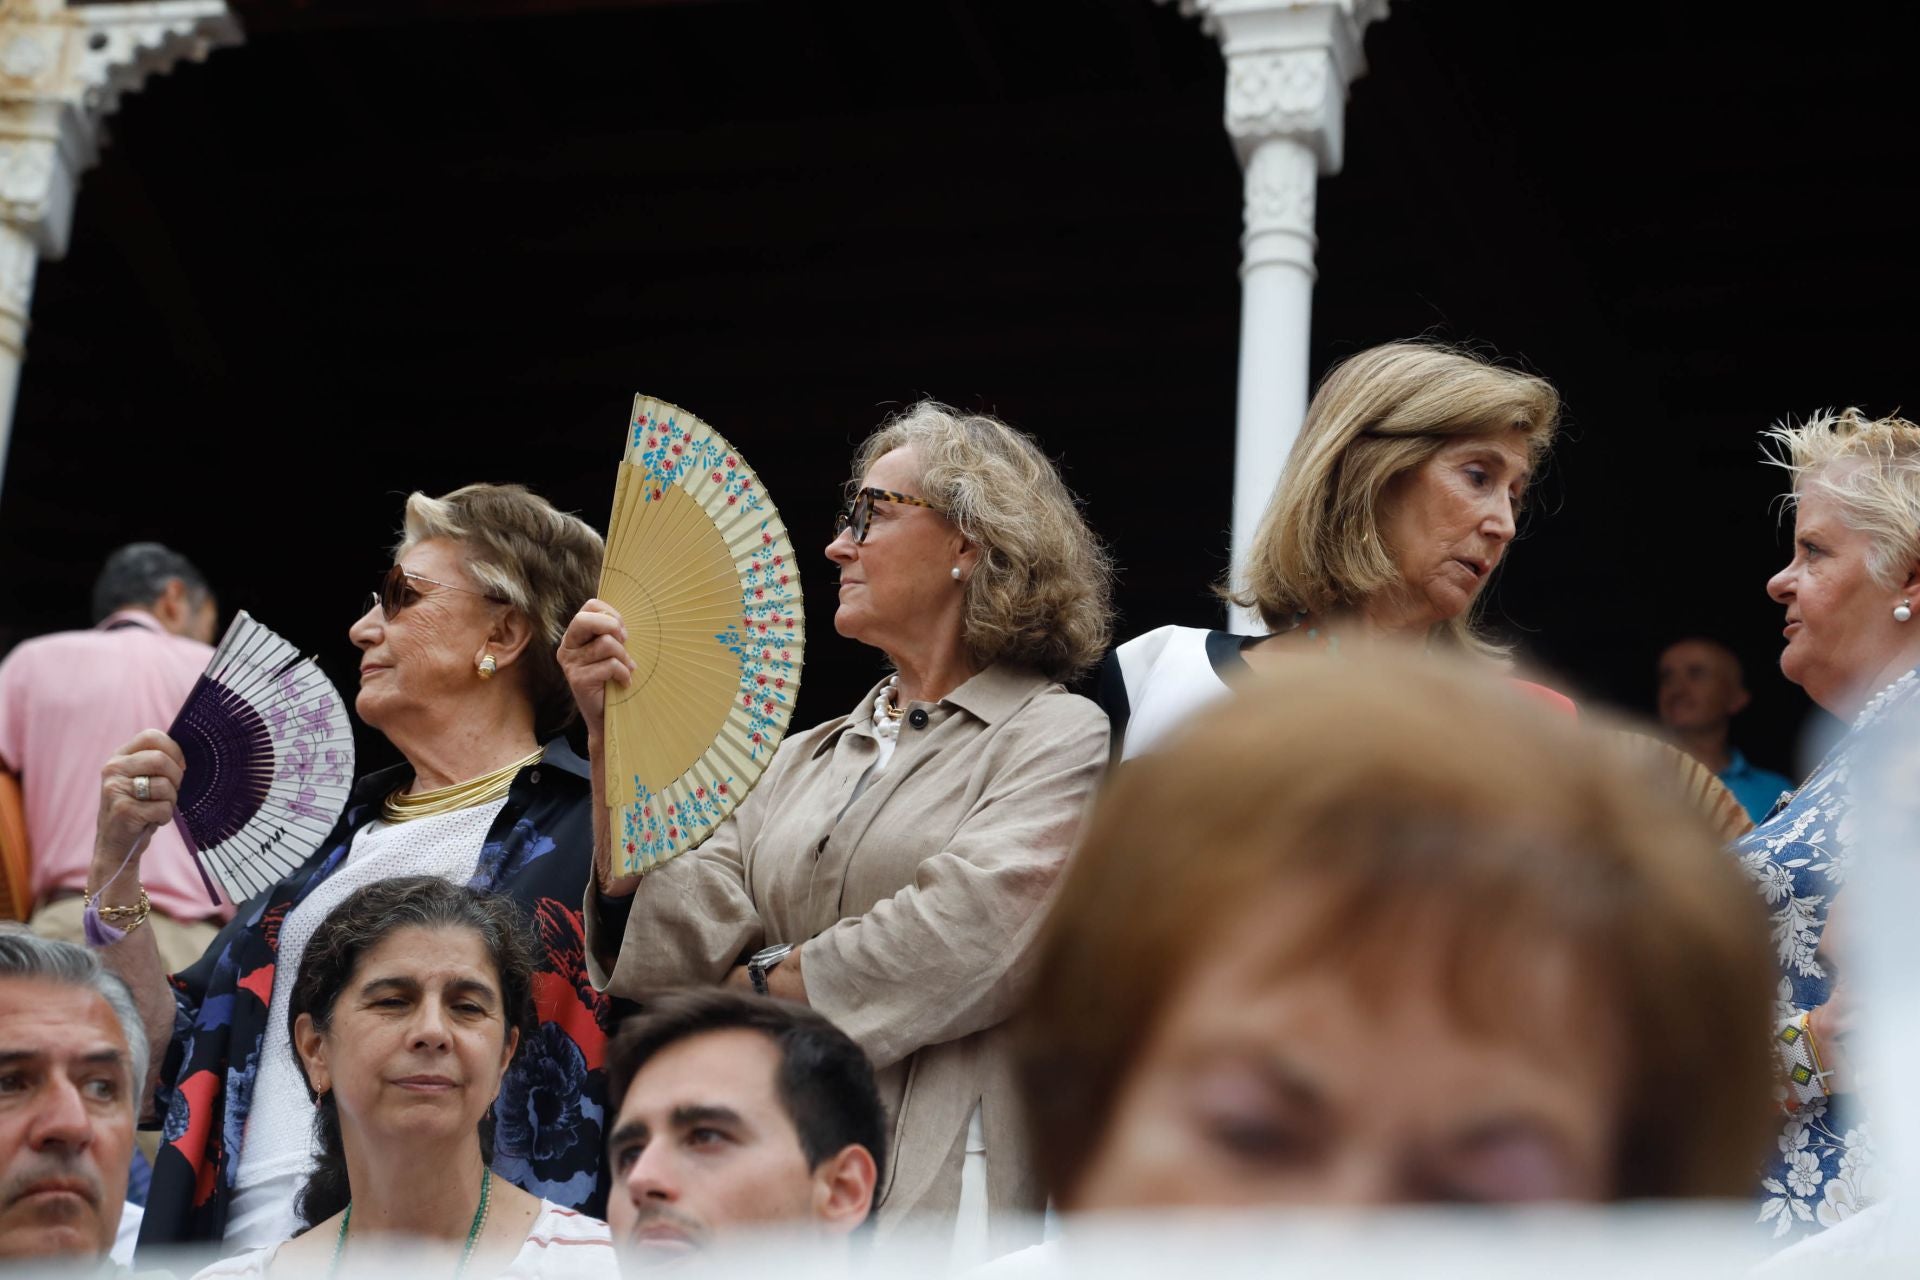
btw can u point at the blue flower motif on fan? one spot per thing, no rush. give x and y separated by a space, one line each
762 641
654 827
669 453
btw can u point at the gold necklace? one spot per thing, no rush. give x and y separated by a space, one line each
485 789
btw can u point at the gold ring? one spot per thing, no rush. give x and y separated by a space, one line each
143 788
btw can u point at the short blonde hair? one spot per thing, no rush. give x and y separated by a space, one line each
540 560
1377 416
1042 595
1870 469
1412 789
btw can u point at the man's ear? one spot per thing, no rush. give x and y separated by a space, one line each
844 1185
1739 701
312 1048
170 606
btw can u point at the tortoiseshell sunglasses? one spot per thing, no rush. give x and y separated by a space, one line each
859 513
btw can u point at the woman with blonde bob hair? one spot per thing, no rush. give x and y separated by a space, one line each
457 671
1849 597
1425 940
891 867
1397 504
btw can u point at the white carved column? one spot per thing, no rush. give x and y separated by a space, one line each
1288 67
62 72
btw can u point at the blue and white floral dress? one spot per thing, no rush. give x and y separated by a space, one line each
1824 1170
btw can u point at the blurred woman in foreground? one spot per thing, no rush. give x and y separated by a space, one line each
1399 501
1853 643
1439 948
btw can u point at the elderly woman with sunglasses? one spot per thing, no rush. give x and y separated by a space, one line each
891 867
458 671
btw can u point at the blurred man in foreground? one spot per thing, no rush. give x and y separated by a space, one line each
738 1111
71 1053
67 703
1702 689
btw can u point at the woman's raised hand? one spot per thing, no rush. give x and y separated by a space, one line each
593 653
138 788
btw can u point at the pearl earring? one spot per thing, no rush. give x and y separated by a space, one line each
956 573
1902 611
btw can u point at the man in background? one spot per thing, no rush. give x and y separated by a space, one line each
67 702
738 1112
1701 690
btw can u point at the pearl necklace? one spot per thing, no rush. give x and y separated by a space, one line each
886 712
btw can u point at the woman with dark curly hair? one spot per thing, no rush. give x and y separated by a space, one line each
891 867
412 998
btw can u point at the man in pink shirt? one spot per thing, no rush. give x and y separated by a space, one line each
68 702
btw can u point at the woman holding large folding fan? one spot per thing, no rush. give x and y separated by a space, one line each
891 867
458 671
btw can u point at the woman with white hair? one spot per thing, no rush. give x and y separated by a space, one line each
1853 643
458 671
1398 503
891 868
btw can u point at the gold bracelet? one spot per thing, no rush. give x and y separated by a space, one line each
135 915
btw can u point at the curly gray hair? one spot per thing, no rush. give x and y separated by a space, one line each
1042 595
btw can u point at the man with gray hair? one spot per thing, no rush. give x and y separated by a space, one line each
67 702
73 1063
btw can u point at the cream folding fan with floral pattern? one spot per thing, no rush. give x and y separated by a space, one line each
700 567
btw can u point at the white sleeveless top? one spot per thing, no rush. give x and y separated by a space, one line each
1154 683
560 1243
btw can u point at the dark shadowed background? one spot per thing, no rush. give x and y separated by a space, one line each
399 244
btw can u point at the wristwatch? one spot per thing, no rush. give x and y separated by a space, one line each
762 963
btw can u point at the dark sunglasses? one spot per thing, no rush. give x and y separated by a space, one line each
858 514
396 592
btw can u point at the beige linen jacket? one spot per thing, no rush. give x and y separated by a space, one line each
919 905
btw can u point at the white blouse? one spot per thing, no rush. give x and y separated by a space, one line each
277 1154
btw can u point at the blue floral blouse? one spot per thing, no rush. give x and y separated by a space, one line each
1824 1169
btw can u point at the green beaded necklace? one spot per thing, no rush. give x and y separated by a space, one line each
466 1254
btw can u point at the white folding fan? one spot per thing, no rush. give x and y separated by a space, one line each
269 757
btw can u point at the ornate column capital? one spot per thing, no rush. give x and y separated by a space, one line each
1289 63
62 72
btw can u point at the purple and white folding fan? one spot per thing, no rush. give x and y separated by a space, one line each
269 761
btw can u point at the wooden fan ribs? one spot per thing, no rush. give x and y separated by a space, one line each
688 565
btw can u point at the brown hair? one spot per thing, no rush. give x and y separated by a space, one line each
540 560
1377 416
1041 596
1408 790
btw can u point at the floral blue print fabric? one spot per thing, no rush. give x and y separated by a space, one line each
550 1116
1823 1170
